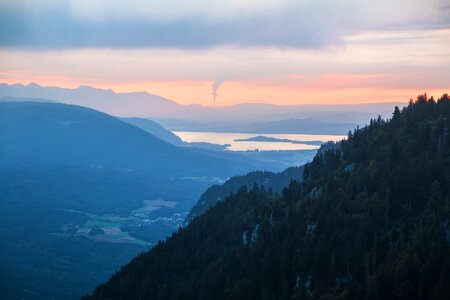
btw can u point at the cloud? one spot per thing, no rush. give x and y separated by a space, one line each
375 52
57 24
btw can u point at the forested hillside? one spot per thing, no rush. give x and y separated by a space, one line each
275 182
371 220
269 180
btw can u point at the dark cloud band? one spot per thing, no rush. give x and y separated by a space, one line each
56 27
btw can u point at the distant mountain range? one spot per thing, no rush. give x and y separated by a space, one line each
258 118
287 126
119 104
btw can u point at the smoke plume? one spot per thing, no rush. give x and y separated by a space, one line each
214 88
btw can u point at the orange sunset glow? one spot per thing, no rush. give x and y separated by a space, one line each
235 92
375 66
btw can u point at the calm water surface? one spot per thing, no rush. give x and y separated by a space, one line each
229 138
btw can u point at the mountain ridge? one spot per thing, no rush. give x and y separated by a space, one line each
52 122
147 105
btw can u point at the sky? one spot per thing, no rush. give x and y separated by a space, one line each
287 52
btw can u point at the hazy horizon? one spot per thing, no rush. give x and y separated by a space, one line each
286 53
234 116
208 105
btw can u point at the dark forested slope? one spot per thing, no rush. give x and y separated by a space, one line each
276 182
369 221
269 180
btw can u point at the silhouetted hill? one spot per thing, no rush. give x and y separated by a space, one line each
155 129
52 134
22 99
167 136
371 220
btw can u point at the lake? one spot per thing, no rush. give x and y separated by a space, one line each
230 138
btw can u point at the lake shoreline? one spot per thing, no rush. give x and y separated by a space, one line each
249 141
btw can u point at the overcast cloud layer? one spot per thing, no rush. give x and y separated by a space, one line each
56 24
